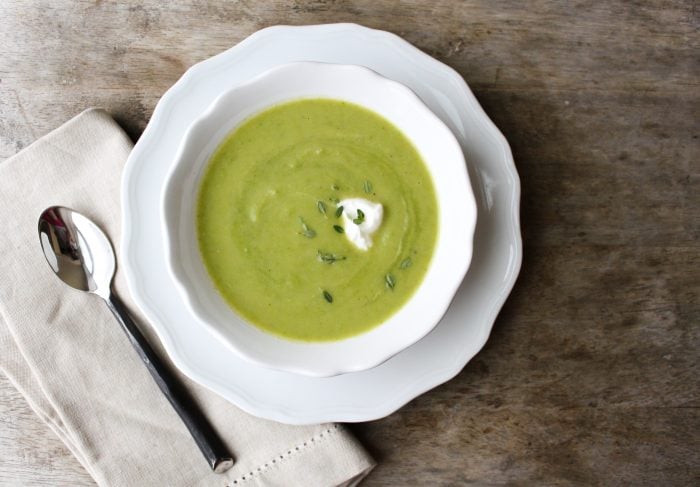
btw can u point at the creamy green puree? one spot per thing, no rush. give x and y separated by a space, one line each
268 228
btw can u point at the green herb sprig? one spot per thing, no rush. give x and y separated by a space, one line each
329 257
360 217
306 230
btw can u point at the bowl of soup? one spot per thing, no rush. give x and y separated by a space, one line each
318 219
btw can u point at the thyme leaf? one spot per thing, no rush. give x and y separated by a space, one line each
329 257
306 230
360 217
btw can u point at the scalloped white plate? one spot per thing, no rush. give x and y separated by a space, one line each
359 396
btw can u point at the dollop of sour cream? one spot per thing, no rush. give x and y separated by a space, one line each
360 235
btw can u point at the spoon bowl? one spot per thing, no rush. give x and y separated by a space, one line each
77 250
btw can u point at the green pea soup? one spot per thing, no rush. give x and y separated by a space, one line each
268 223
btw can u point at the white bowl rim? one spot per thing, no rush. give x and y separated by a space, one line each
299 364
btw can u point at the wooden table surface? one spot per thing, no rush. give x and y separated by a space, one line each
591 373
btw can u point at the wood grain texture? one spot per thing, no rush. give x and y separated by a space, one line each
591 373
30 454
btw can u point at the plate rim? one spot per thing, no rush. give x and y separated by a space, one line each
439 375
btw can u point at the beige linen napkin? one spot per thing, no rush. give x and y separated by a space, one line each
68 356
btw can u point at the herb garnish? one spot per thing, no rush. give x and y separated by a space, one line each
327 296
338 229
339 212
321 207
307 231
360 217
328 257
406 263
390 281
367 186
335 187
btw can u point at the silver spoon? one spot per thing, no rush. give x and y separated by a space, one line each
81 255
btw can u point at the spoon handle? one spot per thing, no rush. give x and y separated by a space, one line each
206 438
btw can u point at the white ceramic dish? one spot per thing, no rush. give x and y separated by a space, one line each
456 210
359 396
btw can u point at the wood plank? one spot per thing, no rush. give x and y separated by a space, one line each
590 375
30 454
